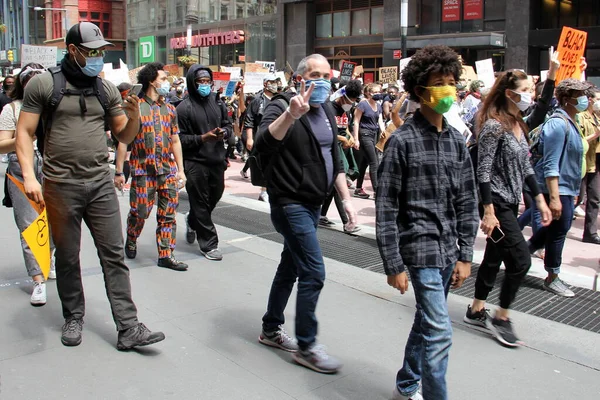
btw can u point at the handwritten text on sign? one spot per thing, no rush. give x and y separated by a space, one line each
388 75
44 55
571 48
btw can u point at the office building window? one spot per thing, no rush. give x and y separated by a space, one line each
324 25
98 14
360 22
341 24
377 21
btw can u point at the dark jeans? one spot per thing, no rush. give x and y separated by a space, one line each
96 203
592 187
552 237
334 195
512 250
429 342
301 259
368 140
205 186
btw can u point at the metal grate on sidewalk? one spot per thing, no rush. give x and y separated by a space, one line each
582 311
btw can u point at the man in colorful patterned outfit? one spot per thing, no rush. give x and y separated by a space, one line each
156 167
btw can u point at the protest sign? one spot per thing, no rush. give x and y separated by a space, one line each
485 72
173 69
388 75
543 75
347 70
359 70
268 65
44 55
402 64
571 48
253 78
221 80
230 90
235 73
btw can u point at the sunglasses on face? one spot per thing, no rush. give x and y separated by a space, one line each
91 53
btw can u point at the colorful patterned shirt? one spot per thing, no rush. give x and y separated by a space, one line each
151 150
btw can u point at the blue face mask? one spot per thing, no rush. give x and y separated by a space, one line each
93 66
321 91
204 90
582 103
164 88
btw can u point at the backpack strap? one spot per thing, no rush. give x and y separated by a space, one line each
59 84
100 92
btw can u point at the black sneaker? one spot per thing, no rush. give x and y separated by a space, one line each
503 332
478 318
361 194
130 249
138 336
172 263
594 239
324 221
190 234
71 332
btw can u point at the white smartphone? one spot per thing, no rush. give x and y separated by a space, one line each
136 89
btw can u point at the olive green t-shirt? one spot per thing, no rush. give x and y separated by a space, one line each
75 148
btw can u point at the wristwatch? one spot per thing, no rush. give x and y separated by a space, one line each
118 174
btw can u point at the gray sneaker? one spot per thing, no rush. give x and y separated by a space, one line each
213 255
317 359
138 336
71 332
279 339
559 288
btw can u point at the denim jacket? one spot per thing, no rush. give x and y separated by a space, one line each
552 146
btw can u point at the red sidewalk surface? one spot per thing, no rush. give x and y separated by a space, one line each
580 260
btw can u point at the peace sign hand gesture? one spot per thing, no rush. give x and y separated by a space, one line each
299 105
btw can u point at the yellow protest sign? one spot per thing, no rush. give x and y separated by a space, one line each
20 186
37 236
571 48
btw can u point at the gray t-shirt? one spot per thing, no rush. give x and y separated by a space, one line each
321 129
75 149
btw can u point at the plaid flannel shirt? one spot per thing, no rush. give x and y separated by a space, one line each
427 214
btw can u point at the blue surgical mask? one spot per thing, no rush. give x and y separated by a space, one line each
321 91
204 89
164 88
93 66
582 103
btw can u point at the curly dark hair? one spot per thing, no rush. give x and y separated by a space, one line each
353 89
429 60
149 73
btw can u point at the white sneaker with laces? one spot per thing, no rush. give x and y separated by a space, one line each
52 273
579 212
559 288
263 197
38 297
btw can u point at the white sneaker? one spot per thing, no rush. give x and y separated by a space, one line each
263 197
38 297
397 396
579 212
52 273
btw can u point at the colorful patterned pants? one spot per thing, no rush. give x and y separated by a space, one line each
144 190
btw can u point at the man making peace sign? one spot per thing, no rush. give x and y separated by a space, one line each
296 143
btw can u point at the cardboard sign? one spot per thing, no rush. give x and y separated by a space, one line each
388 75
571 48
20 186
485 72
268 65
256 68
173 70
44 55
253 78
347 71
359 70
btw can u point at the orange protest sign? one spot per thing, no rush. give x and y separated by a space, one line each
571 47
19 184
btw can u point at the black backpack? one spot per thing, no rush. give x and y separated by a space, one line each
60 90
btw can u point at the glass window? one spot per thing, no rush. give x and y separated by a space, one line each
360 22
341 24
83 15
268 44
95 15
323 25
589 13
568 13
377 21
431 15
549 14
495 9
253 40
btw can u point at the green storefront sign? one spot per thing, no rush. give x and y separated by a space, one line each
147 49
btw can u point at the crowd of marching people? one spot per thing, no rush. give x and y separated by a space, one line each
312 140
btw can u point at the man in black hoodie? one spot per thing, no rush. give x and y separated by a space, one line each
203 125
297 146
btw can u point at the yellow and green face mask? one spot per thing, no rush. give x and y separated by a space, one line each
441 98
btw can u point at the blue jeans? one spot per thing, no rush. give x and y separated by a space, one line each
301 259
426 353
528 217
552 237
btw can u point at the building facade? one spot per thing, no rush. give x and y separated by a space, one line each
513 33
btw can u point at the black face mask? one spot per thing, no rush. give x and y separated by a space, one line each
392 97
378 97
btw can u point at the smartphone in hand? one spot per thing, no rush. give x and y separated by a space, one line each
497 235
136 89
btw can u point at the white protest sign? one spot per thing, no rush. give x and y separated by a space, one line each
485 72
403 63
44 55
235 73
270 65
253 78
543 75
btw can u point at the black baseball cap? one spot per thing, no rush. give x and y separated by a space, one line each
87 35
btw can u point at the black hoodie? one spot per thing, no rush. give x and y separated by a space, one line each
198 115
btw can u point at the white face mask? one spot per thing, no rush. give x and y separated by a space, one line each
525 101
347 107
596 106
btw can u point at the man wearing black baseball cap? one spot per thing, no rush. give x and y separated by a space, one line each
77 177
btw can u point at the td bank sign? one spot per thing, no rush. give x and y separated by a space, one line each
147 49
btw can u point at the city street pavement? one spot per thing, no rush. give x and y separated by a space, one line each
211 316
580 260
